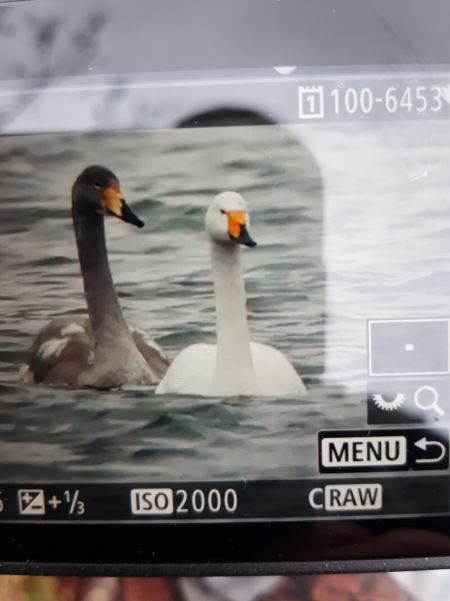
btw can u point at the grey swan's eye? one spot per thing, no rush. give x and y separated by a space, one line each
97 186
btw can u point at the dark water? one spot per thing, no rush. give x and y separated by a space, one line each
354 204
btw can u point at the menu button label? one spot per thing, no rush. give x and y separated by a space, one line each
354 451
388 450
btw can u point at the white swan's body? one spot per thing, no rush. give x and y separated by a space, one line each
192 372
235 366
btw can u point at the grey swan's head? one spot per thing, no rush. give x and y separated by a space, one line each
96 191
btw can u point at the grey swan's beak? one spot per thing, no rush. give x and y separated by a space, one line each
129 216
115 205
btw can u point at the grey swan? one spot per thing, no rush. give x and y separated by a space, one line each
99 351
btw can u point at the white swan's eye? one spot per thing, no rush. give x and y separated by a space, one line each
222 211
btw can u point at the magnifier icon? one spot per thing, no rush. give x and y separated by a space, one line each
426 398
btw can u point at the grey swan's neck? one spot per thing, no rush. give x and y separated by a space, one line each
101 297
117 360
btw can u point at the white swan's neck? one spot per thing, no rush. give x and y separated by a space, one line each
234 366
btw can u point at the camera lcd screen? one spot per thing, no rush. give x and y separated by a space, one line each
224 317
235 318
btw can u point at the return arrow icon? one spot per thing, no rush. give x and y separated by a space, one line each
425 444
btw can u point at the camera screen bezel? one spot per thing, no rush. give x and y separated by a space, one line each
193 549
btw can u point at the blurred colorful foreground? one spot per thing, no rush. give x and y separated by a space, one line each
334 587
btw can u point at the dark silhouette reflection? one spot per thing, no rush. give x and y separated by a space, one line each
299 178
226 117
44 43
41 46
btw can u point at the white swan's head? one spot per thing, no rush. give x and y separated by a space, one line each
227 219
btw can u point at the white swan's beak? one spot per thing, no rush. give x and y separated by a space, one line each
115 204
237 228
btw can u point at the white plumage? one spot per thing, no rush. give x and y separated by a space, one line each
235 366
192 373
52 347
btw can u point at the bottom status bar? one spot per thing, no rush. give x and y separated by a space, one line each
241 500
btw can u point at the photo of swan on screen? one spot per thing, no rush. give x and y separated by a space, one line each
194 302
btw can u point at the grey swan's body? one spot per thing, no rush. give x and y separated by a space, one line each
99 351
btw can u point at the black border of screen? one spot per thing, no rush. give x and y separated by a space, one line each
269 548
235 549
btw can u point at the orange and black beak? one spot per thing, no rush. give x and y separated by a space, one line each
114 204
237 228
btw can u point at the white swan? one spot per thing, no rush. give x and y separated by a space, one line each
235 366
